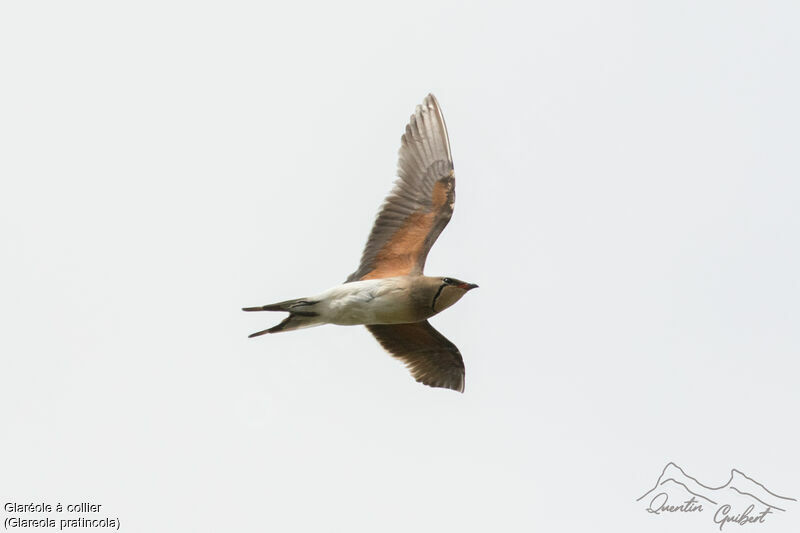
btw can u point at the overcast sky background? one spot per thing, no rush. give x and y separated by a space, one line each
627 199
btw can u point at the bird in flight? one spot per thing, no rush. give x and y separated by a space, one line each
389 293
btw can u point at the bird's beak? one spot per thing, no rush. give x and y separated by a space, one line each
468 286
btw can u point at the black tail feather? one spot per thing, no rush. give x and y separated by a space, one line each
274 329
288 305
272 307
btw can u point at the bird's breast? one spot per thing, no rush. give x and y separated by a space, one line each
371 302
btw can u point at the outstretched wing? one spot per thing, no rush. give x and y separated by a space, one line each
419 206
431 358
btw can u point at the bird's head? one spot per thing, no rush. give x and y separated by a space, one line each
449 291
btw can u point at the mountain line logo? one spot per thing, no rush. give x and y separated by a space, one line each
741 500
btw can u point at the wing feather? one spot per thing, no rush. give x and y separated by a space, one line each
420 204
429 356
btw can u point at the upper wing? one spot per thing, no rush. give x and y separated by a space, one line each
419 206
431 358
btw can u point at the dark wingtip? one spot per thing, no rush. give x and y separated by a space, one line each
252 308
258 333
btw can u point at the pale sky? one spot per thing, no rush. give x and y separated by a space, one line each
627 200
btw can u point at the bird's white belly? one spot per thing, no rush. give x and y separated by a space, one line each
383 301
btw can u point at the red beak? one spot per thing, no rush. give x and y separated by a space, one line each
468 286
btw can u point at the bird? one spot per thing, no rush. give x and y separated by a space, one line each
389 293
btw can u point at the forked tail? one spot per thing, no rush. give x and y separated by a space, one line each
301 315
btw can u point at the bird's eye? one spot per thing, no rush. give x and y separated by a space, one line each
447 280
